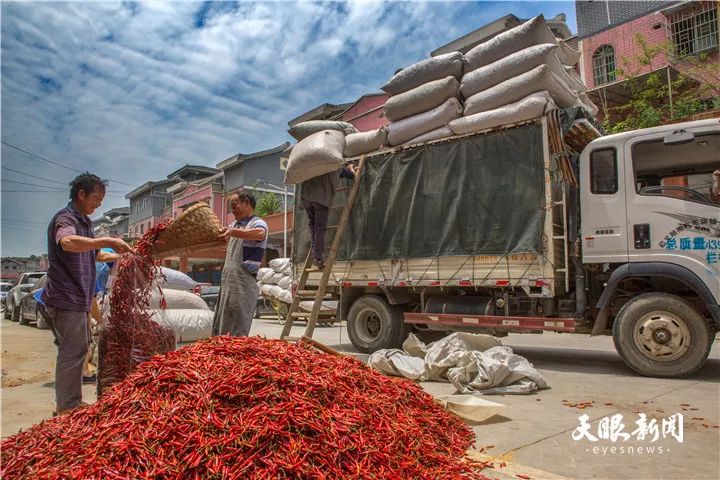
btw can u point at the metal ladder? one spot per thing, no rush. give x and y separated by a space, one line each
303 293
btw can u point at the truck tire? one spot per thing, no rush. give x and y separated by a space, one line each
374 324
661 335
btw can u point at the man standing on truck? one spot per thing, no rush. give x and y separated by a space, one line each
316 195
247 239
68 295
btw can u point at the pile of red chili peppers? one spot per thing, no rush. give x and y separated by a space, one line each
249 408
130 336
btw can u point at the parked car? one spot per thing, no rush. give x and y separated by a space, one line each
210 294
22 287
4 289
29 311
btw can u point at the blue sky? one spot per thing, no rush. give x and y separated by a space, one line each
133 91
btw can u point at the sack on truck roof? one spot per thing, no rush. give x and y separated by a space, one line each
424 71
305 129
365 142
421 99
315 155
536 80
530 107
438 133
411 127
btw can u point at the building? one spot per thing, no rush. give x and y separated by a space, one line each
113 223
12 267
260 171
367 113
149 201
325 111
607 31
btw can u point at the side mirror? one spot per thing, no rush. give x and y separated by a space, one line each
678 137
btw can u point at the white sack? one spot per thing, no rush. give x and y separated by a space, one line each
576 82
530 107
188 325
174 279
442 132
266 289
472 363
512 66
285 282
411 127
279 264
397 363
435 68
263 272
276 291
288 270
536 80
364 142
177 300
533 32
305 129
277 277
315 155
587 103
421 99
287 297
568 55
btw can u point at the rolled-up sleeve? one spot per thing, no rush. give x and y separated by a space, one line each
64 227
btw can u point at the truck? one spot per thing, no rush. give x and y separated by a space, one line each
542 226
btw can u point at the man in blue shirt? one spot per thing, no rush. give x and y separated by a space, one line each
247 239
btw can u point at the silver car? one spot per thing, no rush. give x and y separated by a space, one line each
22 287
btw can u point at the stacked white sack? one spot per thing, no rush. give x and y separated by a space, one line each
276 281
424 99
519 75
186 314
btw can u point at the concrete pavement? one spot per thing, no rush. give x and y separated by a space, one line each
533 437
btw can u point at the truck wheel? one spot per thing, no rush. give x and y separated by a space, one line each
661 335
374 324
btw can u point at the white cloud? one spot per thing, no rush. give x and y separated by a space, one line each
133 91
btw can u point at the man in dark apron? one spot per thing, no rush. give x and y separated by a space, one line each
247 239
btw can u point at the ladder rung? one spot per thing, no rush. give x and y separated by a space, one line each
311 297
559 237
338 189
302 293
331 227
560 202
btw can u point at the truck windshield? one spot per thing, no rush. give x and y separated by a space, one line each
689 171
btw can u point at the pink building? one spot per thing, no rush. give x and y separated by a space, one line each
367 112
607 31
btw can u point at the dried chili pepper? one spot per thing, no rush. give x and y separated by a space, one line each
249 408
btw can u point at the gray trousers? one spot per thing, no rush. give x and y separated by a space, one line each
72 338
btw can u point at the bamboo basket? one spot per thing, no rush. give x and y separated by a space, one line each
197 228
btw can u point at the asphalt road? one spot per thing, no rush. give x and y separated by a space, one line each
534 434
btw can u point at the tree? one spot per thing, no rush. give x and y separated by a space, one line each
267 202
657 99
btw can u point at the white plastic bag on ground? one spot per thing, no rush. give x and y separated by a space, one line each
438 133
315 155
421 99
397 363
285 282
188 325
174 279
411 127
530 107
533 32
509 91
511 66
424 71
279 264
305 129
177 300
364 142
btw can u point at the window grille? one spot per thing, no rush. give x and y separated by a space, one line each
604 65
694 29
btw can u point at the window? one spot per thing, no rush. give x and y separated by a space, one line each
694 29
142 229
683 171
604 65
603 172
